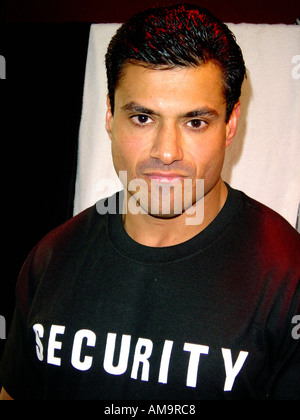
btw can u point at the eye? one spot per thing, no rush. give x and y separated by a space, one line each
141 119
196 124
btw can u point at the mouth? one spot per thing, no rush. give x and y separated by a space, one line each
165 177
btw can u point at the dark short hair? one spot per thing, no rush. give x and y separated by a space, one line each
183 35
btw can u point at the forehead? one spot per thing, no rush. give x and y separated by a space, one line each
181 87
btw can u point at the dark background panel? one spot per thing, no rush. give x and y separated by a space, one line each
41 100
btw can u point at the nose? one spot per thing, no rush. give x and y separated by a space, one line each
167 145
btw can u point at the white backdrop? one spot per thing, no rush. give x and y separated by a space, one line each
264 158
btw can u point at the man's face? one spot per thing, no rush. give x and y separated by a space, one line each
169 126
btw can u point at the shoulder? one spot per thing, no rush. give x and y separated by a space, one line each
59 252
78 234
265 216
273 234
65 242
83 227
78 228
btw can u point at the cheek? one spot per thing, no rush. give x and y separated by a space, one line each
125 152
209 158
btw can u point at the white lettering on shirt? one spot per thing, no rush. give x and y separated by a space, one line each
142 352
90 336
110 351
39 333
165 362
195 351
232 371
142 357
54 345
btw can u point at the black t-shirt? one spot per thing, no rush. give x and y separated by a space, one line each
99 316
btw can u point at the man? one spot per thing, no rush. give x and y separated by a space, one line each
188 289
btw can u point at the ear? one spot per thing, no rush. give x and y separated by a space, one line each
109 117
231 126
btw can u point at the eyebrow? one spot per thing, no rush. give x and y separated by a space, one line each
136 108
201 112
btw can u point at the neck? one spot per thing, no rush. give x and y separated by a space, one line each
162 232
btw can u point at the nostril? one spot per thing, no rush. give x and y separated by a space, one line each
167 146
